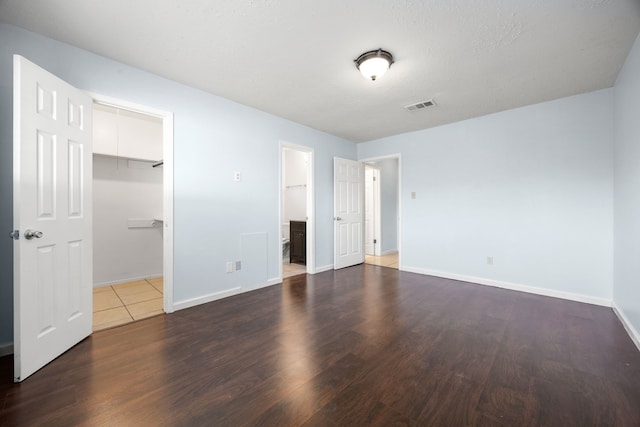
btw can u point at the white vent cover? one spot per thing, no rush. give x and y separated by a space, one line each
420 105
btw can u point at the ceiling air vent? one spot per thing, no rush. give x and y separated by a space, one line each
420 105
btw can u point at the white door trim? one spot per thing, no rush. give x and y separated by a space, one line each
311 206
399 157
167 185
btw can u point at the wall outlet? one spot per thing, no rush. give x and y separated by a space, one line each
490 260
229 267
238 265
413 194
237 176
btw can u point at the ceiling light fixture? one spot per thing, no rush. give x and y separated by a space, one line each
374 63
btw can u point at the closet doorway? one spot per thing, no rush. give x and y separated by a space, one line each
296 210
131 213
382 212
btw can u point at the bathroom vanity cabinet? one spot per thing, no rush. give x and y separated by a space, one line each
298 242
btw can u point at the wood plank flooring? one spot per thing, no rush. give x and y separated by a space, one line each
366 345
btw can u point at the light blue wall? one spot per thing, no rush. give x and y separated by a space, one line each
531 187
213 138
626 288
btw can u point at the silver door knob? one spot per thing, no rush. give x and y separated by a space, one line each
338 218
30 234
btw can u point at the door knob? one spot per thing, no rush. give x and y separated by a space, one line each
30 234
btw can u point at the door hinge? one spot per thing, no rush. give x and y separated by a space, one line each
15 234
375 241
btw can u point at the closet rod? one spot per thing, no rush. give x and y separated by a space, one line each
160 163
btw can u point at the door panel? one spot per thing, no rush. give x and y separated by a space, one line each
52 197
369 232
348 212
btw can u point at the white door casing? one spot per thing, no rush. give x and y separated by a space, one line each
310 204
348 208
52 195
167 184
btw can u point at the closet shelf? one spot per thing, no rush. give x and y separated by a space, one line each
296 186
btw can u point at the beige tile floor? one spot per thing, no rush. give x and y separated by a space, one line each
123 303
390 260
292 269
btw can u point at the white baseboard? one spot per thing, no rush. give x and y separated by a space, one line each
323 268
269 282
132 279
6 349
192 302
389 252
513 286
633 333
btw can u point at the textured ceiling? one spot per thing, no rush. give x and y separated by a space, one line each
294 58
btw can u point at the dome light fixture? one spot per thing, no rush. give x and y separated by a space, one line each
374 63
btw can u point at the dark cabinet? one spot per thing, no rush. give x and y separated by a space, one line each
298 242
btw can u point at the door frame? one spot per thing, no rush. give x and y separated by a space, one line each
310 205
399 157
167 185
377 213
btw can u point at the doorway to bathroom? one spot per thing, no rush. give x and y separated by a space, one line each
296 210
128 215
382 211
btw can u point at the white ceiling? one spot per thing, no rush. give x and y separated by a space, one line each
294 58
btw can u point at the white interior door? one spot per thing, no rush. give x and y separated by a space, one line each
372 234
369 212
348 207
52 212
377 213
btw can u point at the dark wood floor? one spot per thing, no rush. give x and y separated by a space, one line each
365 345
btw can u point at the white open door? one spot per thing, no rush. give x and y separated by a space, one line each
52 217
372 234
348 208
369 231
